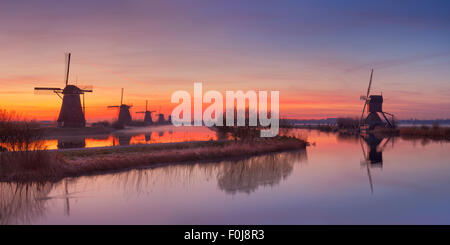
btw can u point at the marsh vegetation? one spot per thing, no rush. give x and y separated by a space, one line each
25 157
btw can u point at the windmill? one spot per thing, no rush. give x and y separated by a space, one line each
72 113
161 119
374 108
124 111
147 114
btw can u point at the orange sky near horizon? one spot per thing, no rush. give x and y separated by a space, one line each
313 98
318 59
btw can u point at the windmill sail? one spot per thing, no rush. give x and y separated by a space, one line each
367 96
86 88
66 73
47 91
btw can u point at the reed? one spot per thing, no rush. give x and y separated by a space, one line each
348 123
22 147
435 132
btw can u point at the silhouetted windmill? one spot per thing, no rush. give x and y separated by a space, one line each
374 106
161 119
147 114
72 113
124 111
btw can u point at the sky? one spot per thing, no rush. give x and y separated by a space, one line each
318 54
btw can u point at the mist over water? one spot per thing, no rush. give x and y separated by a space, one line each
132 136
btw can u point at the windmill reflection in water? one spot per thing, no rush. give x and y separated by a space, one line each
372 148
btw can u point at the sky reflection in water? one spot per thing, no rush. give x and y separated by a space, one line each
333 182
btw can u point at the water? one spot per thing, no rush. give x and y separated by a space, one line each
132 136
333 182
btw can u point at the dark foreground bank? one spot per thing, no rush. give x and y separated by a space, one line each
52 166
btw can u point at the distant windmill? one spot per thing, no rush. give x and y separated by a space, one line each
124 111
374 106
161 119
147 114
72 113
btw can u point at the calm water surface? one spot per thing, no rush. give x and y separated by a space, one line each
132 136
334 181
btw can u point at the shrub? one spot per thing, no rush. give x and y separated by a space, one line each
246 133
117 125
101 124
347 123
138 123
17 134
22 145
436 132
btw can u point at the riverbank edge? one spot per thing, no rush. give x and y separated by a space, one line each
407 133
81 162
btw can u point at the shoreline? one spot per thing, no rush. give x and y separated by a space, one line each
76 163
405 132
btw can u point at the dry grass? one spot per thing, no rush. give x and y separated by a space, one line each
87 152
348 123
23 152
76 163
31 166
435 132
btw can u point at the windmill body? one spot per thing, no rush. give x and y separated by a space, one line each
72 113
124 114
148 117
374 107
161 119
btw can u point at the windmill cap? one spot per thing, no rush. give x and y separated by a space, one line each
71 89
376 98
123 106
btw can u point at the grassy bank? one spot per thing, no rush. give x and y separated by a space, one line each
425 132
351 126
412 133
56 165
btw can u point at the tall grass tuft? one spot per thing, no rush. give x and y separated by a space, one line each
347 123
22 145
435 132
